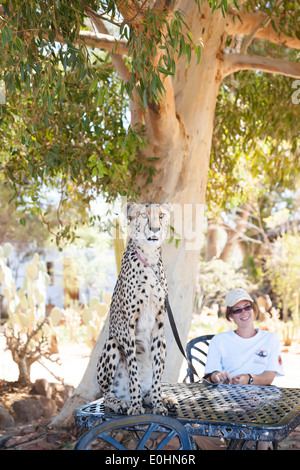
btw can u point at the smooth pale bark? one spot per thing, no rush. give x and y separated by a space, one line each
245 23
236 62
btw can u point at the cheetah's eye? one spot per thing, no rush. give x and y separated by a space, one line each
161 215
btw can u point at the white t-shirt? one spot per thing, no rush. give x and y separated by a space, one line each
230 352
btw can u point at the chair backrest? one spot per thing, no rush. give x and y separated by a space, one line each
196 350
144 427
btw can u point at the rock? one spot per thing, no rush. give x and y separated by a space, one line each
60 393
44 401
48 405
27 409
42 387
6 420
32 409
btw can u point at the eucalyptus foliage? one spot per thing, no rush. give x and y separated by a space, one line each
256 139
64 120
65 110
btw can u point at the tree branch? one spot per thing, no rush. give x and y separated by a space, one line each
134 13
131 12
103 41
117 58
235 62
137 115
168 6
243 22
251 36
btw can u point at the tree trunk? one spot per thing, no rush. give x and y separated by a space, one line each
235 236
212 249
180 134
24 371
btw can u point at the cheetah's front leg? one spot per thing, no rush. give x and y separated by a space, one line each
158 353
118 379
135 390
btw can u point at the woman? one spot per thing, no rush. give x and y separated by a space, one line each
244 356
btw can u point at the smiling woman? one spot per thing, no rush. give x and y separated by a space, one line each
246 355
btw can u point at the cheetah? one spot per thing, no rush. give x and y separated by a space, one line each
132 361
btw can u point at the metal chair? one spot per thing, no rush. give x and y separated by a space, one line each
196 350
144 427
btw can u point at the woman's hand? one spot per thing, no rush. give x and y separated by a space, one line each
220 377
241 379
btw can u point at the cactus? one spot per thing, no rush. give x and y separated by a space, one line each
28 332
92 314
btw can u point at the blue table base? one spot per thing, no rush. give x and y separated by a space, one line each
248 413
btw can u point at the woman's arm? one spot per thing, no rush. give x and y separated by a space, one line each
262 379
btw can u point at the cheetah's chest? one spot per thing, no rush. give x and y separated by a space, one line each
150 301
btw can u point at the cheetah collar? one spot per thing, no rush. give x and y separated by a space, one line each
148 265
141 259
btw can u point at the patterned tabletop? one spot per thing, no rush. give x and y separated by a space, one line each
230 411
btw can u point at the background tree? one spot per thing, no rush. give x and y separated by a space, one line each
28 231
172 106
29 333
282 269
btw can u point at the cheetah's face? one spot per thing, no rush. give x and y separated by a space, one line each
149 222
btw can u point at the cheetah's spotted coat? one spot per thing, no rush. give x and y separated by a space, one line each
130 367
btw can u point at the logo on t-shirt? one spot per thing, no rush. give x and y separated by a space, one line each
279 360
261 353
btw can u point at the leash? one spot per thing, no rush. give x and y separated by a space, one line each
177 338
171 320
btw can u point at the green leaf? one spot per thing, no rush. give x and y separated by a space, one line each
100 97
19 44
6 35
164 71
93 86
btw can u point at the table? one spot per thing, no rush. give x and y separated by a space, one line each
245 414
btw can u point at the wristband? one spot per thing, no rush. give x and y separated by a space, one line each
208 376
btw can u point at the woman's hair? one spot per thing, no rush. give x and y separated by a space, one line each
229 311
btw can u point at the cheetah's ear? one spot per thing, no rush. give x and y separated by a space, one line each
168 206
128 209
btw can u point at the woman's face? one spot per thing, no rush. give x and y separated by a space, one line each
243 314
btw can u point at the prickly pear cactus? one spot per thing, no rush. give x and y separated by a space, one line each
27 330
26 306
92 315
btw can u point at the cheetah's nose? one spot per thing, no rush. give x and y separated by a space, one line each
154 229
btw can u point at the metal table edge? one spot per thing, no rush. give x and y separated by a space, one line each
204 427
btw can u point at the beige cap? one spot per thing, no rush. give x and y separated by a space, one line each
235 295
